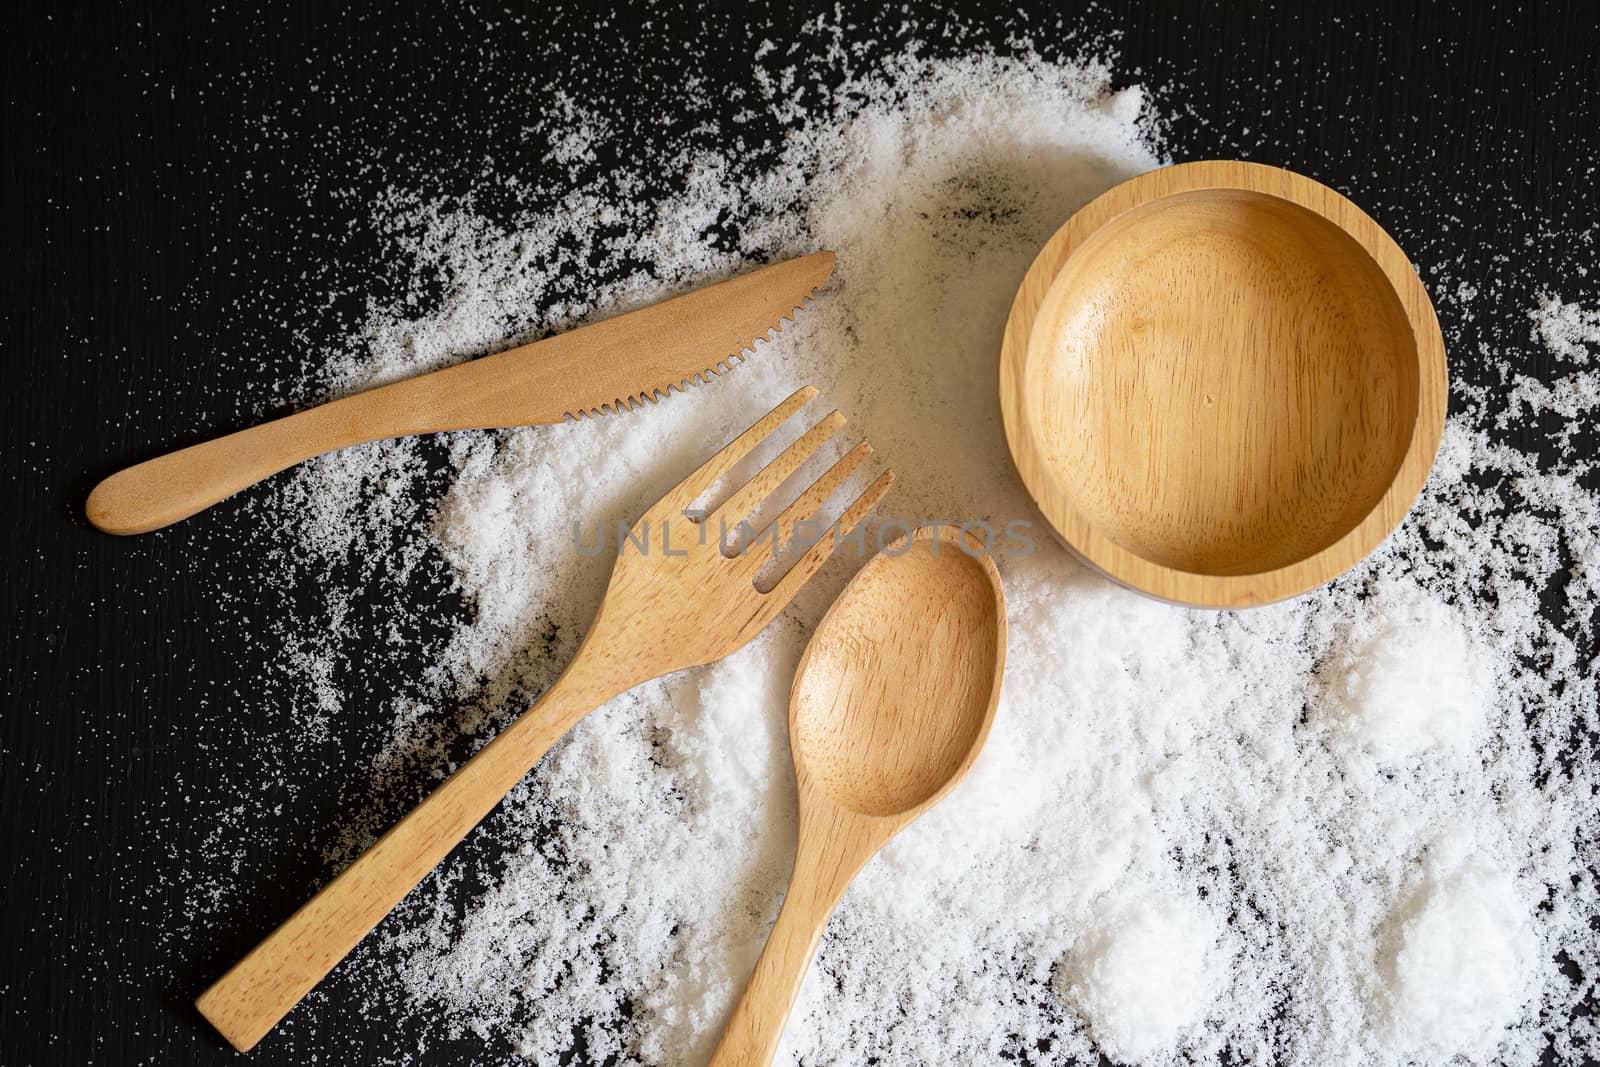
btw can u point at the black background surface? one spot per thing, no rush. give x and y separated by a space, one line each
179 183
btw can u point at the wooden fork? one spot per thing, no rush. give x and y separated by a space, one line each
663 612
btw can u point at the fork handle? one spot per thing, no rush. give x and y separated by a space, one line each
260 989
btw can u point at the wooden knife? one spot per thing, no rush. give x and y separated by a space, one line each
596 370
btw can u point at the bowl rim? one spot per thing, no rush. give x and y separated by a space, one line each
1236 590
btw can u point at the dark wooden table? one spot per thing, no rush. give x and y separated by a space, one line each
177 190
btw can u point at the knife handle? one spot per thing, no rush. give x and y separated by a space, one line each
163 490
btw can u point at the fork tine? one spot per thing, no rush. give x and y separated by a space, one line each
818 554
809 501
768 478
706 476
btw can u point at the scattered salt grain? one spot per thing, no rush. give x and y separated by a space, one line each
1568 331
1570 334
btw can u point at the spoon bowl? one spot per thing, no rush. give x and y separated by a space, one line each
882 750
891 704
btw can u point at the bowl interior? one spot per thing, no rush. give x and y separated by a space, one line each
1221 382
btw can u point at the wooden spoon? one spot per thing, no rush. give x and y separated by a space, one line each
891 703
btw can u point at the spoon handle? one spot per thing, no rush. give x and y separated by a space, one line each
831 849
756 1025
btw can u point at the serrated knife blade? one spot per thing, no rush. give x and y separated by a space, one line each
645 354
611 365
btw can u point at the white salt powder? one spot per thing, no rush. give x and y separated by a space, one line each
1143 976
1192 833
1456 961
1405 678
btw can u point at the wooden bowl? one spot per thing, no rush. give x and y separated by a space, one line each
1223 384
